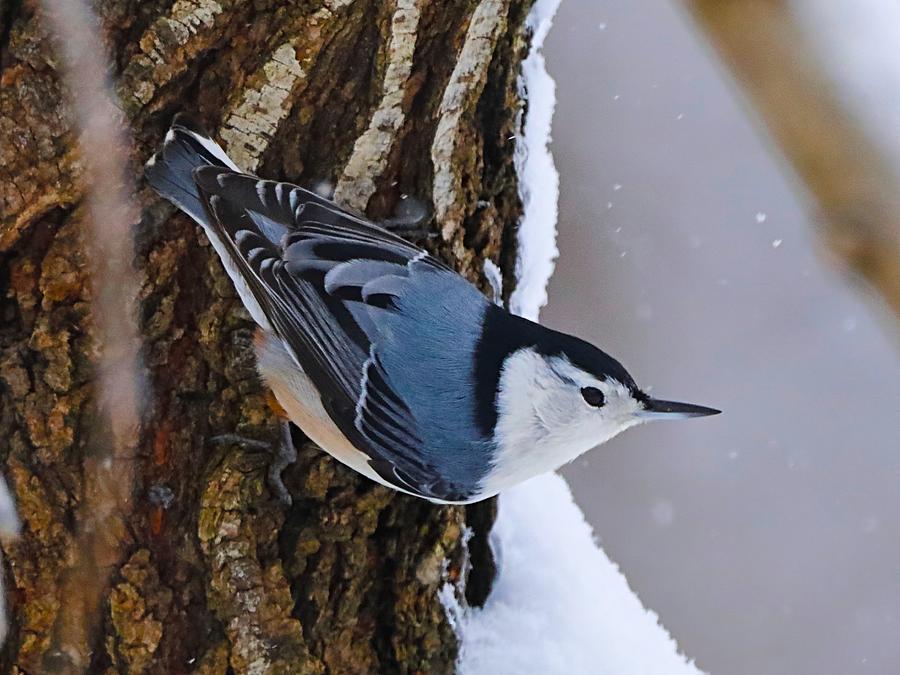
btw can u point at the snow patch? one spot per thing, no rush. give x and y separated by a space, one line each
9 529
495 278
559 605
538 180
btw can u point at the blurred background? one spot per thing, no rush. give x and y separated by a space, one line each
754 272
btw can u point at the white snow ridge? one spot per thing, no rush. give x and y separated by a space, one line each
538 180
559 605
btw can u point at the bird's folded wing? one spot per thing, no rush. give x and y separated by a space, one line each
322 276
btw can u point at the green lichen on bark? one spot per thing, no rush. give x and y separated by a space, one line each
138 608
216 577
247 589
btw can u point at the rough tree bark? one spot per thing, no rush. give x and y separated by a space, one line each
379 99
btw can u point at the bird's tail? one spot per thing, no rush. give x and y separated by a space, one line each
170 171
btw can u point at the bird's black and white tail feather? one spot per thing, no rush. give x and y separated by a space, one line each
171 172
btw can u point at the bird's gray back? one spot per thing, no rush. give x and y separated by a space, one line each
428 346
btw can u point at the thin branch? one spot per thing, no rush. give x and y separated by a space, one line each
109 472
848 175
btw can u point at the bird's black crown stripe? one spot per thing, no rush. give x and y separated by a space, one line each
503 334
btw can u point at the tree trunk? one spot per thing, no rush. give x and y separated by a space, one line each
378 99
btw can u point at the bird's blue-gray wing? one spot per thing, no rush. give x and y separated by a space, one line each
386 332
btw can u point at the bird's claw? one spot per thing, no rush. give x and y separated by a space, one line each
284 454
411 220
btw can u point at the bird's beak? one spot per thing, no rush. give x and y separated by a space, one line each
655 409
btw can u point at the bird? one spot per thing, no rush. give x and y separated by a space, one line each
383 355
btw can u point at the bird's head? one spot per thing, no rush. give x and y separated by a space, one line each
568 396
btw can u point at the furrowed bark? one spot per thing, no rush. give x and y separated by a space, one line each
382 100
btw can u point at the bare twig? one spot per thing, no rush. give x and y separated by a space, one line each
109 473
850 178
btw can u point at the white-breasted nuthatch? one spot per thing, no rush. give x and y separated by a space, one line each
383 355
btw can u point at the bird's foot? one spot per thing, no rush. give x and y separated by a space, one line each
283 455
411 220
243 441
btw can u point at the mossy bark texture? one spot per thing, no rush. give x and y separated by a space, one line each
378 99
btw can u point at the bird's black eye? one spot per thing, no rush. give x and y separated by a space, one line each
593 396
